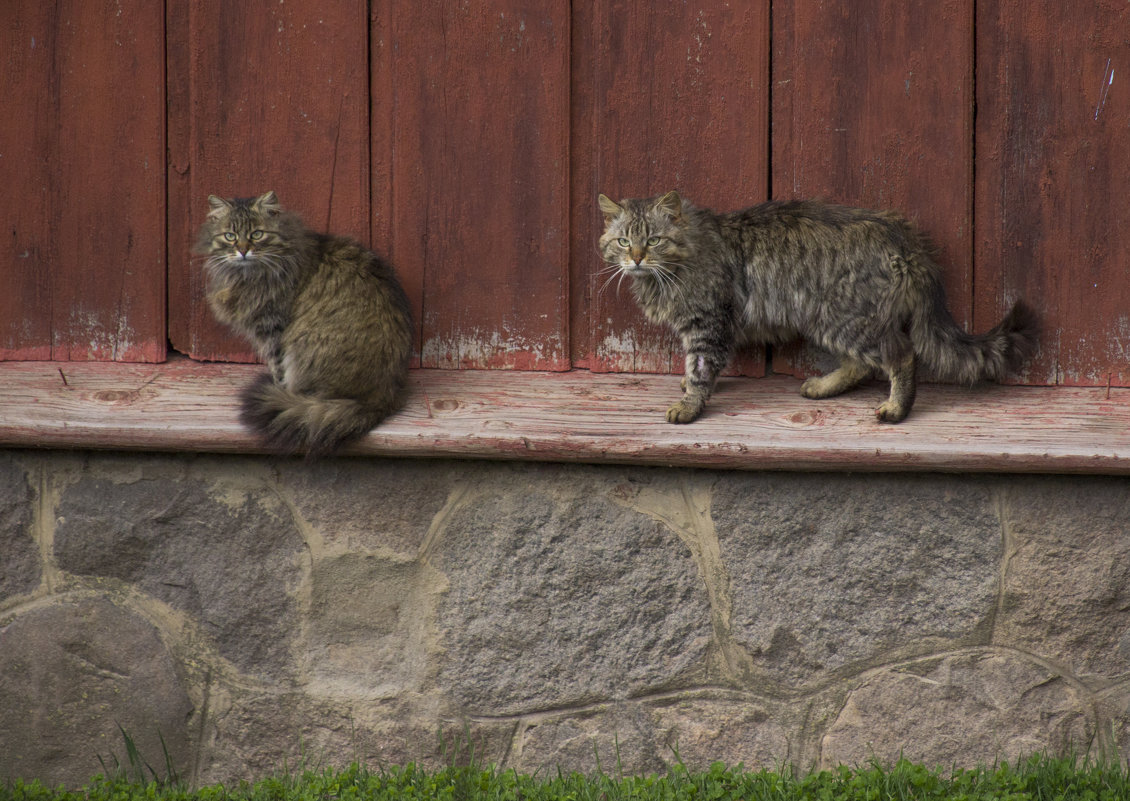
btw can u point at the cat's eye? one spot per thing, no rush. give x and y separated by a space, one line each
229 236
256 236
622 242
652 241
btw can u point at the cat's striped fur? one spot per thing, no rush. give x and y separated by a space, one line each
861 284
326 314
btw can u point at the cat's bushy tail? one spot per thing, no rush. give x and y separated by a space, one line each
291 422
959 357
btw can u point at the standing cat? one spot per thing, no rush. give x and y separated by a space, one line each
861 284
327 315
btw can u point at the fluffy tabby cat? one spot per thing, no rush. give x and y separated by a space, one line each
861 284
327 315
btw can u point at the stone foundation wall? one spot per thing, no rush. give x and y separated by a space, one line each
261 613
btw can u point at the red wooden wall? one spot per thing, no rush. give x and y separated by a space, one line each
468 142
82 162
873 107
261 96
1053 167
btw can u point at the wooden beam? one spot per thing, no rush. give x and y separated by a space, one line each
751 424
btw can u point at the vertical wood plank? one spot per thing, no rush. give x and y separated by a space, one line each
478 99
382 112
678 100
82 155
262 97
1053 136
384 48
873 106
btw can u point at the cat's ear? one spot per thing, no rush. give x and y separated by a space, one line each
217 207
268 203
609 207
671 204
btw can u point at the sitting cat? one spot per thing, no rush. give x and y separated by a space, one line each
327 315
861 284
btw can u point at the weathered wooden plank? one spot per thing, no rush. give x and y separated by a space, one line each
670 96
1053 134
82 154
873 106
382 128
262 97
751 424
478 100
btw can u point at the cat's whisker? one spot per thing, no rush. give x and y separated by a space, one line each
608 281
620 282
618 272
667 279
275 264
611 270
216 261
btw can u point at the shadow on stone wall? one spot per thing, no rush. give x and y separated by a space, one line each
259 612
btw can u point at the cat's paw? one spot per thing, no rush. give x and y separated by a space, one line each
815 388
889 412
683 412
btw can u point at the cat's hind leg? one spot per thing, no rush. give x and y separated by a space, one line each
903 388
850 374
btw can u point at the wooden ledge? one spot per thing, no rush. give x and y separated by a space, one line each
751 424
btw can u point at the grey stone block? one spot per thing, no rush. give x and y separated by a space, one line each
736 730
832 571
266 733
71 672
370 624
650 736
369 505
1067 580
262 734
228 559
608 738
559 596
547 616
1114 706
964 709
20 568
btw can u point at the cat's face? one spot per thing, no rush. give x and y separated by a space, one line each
242 231
644 238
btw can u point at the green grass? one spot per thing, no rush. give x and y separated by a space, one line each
1035 779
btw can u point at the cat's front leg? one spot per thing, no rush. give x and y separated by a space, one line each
903 390
700 372
268 337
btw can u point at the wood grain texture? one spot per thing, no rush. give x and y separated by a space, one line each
667 96
1053 136
82 154
751 424
873 107
471 112
262 97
